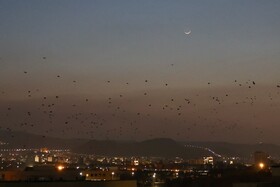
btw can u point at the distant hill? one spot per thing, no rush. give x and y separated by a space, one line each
155 147
160 147
18 139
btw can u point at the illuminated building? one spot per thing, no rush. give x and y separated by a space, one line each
37 158
208 160
99 175
50 159
136 162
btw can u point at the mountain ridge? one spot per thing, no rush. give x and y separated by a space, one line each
160 147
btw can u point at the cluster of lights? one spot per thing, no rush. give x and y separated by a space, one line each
16 150
3 143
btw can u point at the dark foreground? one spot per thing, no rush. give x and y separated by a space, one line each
127 183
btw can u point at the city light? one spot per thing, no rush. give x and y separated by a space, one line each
60 167
113 173
261 165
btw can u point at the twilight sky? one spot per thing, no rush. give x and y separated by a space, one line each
107 69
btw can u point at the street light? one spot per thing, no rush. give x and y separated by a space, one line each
113 173
60 167
261 165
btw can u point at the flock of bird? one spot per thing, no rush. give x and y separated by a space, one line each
147 114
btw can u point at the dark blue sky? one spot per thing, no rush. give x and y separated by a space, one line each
131 41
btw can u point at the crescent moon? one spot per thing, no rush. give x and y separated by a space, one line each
189 32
